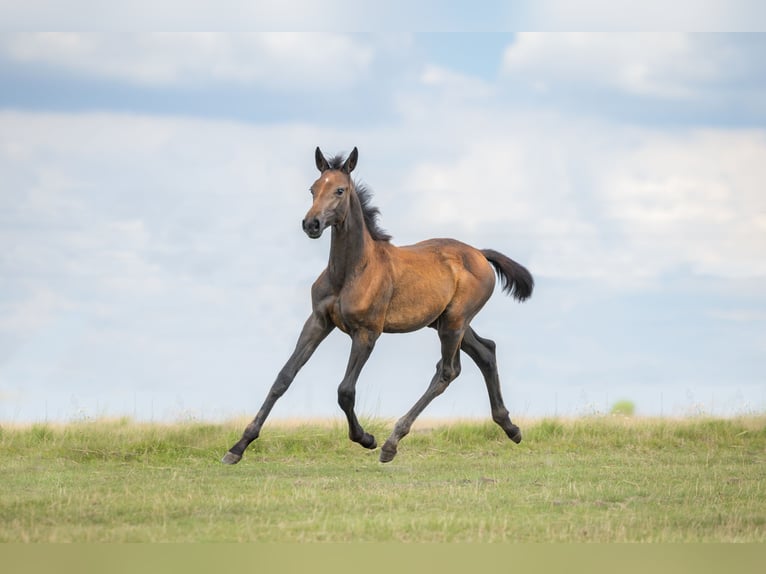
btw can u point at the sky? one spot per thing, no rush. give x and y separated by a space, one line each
152 188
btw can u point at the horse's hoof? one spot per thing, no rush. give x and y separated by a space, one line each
514 433
368 441
387 453
231 458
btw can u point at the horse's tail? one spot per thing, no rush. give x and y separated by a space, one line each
516 279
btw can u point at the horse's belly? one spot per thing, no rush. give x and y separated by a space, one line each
408 324
414 311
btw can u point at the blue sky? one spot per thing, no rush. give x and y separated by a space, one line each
153 185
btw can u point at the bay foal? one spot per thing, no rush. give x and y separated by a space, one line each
371 287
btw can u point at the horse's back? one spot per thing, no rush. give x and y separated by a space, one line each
455 255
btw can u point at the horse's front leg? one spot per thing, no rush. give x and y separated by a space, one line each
362 344
315 330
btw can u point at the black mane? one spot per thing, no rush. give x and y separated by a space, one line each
336 162
370 213
364 194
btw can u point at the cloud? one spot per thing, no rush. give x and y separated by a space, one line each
669 66
588 199
229 15
692 198
149 236
32 312
625 15
109 208
239 15
323 62
455 84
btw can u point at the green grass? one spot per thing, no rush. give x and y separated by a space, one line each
592 479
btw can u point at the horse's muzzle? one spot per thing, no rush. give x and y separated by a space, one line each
312 227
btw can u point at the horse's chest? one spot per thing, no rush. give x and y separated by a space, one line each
353 309
337 317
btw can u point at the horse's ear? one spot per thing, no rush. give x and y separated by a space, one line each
321 162
350 163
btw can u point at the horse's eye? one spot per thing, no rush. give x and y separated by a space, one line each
340 191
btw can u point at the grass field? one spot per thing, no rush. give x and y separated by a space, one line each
609 479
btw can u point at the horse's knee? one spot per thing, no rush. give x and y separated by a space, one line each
451 372
447 374
485 356
490 345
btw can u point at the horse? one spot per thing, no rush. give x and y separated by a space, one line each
371 286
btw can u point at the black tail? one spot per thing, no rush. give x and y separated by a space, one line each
517 281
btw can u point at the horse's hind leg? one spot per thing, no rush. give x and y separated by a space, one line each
447 370
482 351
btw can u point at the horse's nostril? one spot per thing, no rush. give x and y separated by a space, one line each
311 225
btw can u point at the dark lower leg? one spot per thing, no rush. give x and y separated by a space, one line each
447 371
482 351
254 428
404 424
355 431
361 348
314 332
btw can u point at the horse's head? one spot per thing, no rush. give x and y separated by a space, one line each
331 193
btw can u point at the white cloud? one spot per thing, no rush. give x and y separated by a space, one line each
323 62
455 84
586 199
626 15
32 312
554 15
135 202
152 236
229 15
109 206
693 198
671 66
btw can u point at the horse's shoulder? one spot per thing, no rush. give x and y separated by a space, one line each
321 290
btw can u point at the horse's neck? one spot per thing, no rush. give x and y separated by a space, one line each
350 246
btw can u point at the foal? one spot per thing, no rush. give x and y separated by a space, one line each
371 286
